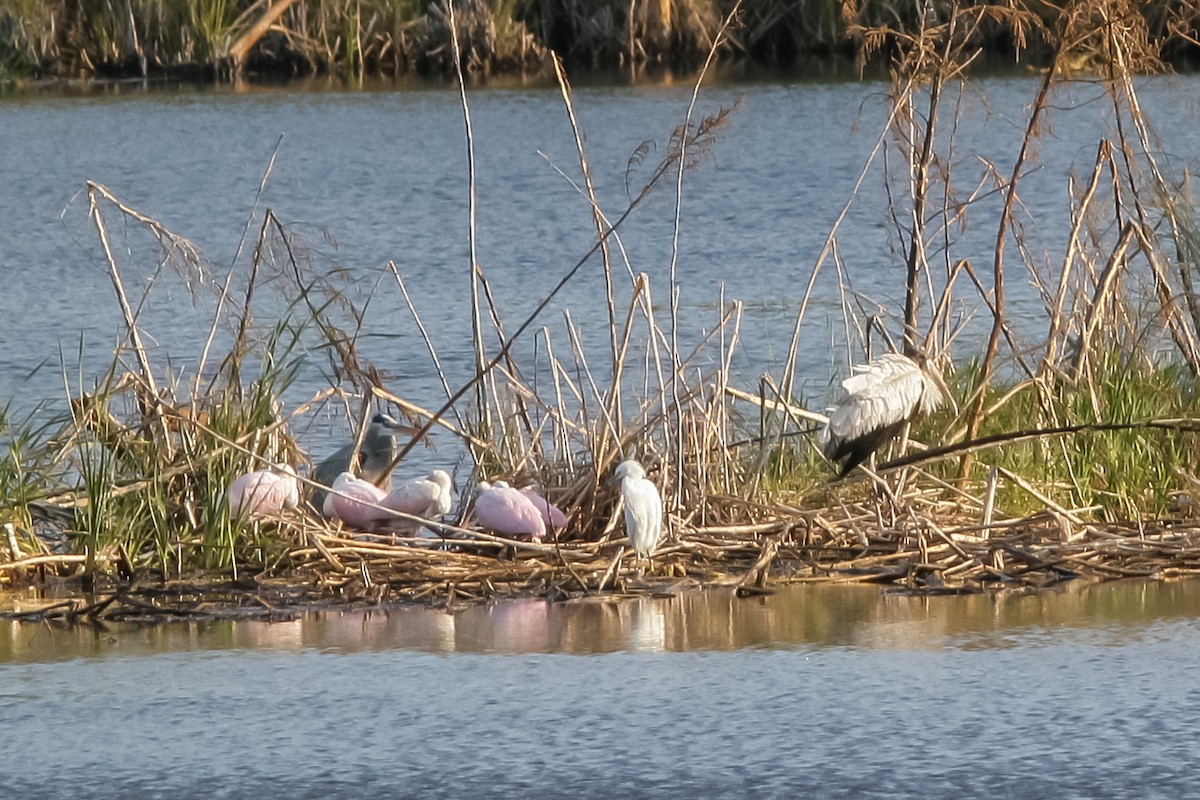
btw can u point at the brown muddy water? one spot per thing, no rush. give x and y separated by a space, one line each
813 692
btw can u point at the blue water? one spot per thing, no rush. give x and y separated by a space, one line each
838 693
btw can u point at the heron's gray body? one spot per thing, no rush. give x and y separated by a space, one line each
374 458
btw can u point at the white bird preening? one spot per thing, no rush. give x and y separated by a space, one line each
263 492
880 398
643 507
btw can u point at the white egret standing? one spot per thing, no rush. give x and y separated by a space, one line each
643 508
880 398
374 457
263 492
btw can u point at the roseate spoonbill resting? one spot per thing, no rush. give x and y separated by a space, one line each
427 497
349 501
263 492
880 398
552 515
501 508
643 507
374 457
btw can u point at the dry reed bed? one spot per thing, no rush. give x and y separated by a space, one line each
915 555
139 468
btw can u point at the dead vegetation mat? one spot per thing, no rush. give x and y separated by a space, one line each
337 569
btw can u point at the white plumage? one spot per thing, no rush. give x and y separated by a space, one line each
880 397
643 507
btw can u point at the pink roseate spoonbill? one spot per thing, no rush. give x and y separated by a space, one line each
263 492
352 501
880 397
504 510
552 515
427 497
374 457
643 507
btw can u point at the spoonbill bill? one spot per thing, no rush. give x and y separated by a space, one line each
880 397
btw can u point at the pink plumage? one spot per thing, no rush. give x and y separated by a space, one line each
352 501
506 511
552 515
263 492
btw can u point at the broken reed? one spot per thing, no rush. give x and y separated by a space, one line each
141 463
395 37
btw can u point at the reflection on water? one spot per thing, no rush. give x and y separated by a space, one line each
849 616
814 692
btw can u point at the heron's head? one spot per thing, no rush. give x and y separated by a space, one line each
629 469
385 423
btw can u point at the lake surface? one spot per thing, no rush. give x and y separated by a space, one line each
368 177
816 691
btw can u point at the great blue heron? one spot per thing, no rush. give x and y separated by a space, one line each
880 397
263 492
374 457
643 507
503 509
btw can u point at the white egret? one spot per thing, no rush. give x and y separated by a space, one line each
880 397
643 508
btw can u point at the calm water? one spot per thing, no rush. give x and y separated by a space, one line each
813 692
368 177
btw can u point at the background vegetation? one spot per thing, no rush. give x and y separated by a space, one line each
218 38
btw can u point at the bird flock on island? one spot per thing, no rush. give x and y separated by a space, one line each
880 398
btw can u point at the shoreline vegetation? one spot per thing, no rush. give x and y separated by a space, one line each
222 40
1071 460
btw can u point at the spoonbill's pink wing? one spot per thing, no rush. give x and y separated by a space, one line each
552 515
508 512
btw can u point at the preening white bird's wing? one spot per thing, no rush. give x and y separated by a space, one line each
884 393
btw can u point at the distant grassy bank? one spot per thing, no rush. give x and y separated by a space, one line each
217 39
